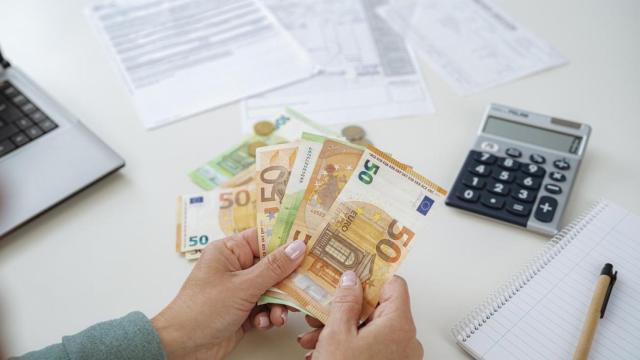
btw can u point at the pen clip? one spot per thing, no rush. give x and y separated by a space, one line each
613 277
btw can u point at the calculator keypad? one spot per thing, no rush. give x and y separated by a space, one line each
507 189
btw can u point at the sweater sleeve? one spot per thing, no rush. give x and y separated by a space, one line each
130 337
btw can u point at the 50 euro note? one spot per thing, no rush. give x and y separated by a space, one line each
273 168
202 218
369 230
333 167
308 152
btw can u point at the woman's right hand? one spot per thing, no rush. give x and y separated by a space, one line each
388 334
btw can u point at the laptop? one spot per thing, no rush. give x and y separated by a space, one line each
46 154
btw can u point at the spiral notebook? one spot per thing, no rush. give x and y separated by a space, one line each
539 314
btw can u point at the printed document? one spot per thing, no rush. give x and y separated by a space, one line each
181 57
366 70
471 43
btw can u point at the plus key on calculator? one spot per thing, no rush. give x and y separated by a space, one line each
521 168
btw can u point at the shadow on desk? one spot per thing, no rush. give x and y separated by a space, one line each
84 195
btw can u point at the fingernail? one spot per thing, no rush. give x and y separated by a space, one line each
348 279
284 318
299 337
308 355
263 322
295 249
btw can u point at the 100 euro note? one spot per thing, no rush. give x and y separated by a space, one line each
202 218
273 167
369 230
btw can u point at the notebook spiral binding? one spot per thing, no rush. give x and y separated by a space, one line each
496 300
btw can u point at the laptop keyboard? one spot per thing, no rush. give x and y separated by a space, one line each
20 120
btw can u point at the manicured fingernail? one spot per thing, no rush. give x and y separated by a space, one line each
284 317
308 355
295 249
348 279
263 322
299 337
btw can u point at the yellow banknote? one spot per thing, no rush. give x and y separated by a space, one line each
333 167
273 167
369 230
203 218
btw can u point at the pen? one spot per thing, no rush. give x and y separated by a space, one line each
598 305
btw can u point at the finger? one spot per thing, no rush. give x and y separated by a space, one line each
309 355
278 315
313 322
394 299
346 305
261 321
273 268
309 339
244 246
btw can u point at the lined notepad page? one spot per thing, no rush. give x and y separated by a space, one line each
544 319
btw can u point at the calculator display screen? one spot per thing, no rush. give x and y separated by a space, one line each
533 135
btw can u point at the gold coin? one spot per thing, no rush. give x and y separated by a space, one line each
353 133
264 128
254 146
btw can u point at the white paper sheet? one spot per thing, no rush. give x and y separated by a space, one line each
367 71
471 43
181 57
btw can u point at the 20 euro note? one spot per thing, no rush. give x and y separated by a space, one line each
202 218
369 230
273 167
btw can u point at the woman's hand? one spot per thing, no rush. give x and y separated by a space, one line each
388 334
216 304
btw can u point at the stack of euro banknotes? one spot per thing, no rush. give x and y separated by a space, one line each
357 208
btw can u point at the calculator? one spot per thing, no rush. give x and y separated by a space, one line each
521 168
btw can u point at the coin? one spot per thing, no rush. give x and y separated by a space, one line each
362 142
264 128
353 133
254 146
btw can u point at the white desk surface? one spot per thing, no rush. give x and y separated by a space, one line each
109 250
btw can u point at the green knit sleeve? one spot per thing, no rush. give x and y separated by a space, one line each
130 337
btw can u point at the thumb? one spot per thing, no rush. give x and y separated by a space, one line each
275 267
346 305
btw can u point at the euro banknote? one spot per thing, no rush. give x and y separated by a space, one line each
202 218
333 167
369 229
273 167
308 151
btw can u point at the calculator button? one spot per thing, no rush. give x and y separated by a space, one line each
546 209
484 157
474 181
480 169
504 175
534 170
23 123
498 188
518 209
493 202
489 146
468 195
561 164
524 195
513 152
508 163
553 189
529 182
557 176
537 158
